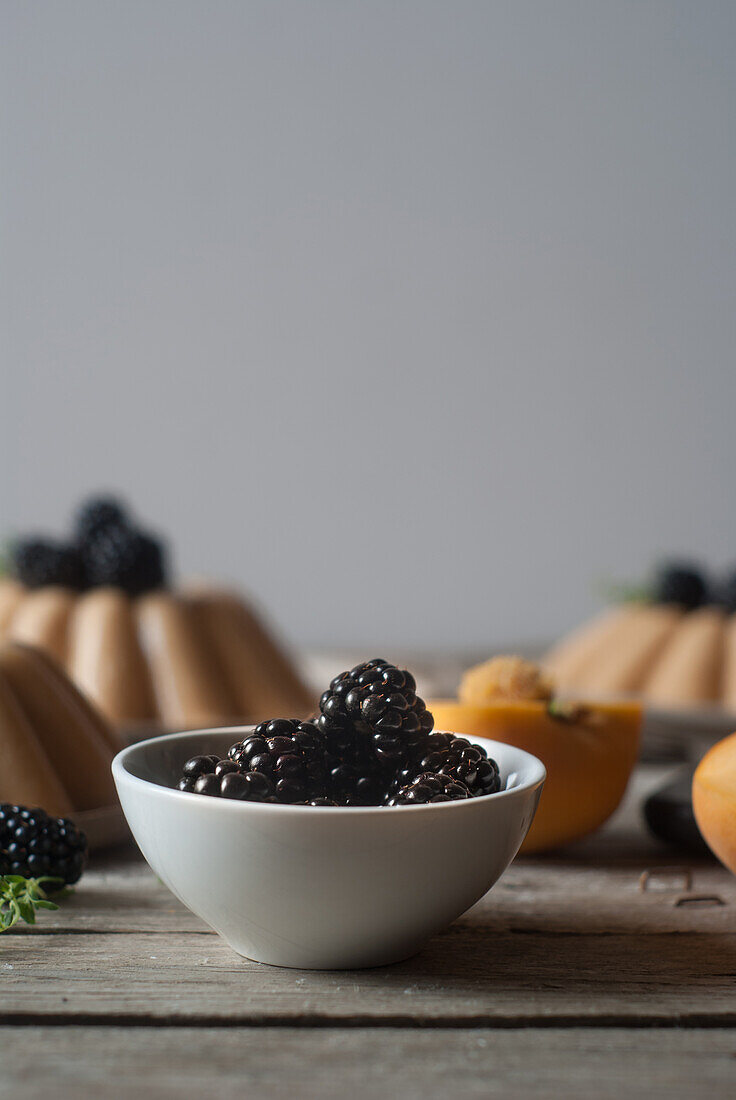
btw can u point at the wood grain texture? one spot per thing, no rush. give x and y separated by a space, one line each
565 980
65 1064
534 895
467 975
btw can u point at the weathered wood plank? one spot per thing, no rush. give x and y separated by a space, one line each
467 974
542 894
60 1063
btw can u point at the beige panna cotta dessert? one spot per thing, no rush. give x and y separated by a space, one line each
55 749
675 648
144 653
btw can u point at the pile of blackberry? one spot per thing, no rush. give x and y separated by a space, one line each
681 583
689 586
106 548
371 745
33 844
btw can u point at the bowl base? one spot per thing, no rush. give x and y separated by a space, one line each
370 962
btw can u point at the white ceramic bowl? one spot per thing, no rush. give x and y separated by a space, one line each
321 887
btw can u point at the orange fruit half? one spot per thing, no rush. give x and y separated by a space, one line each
589 751
714 800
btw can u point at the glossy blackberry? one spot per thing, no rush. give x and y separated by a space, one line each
33 844
680 583
97 515
354 776
455 758
377 701
289 754
224 779
125 558
38 562
428 788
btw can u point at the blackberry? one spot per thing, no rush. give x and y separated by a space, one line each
224 779
727 593
33 844
455 758
290 754
354 776
680 583
428 788
37 562
96 515
377 701
125 558
371 745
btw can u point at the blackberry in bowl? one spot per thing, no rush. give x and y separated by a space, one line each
316 884
377 702
429 788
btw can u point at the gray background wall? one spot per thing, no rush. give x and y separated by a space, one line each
416 318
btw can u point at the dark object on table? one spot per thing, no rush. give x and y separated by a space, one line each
33 845
669 816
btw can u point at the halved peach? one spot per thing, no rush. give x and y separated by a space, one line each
589 751
714 800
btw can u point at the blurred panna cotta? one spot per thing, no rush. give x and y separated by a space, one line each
673 644
55 749
145 653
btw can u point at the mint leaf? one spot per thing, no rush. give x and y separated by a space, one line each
21 897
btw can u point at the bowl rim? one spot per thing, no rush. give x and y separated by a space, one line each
122 774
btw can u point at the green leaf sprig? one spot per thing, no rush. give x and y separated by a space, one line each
615 592
20 898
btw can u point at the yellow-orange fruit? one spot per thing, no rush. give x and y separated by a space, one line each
589 751
714 800
504 678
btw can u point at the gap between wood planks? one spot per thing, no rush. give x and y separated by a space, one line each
312 1021
479 929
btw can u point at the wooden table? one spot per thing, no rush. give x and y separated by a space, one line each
566 981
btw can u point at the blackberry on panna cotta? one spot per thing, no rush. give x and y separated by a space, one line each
680 583
97 515
33 844
39 562
378 702
121 557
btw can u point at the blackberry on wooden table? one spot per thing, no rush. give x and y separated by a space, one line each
33 844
